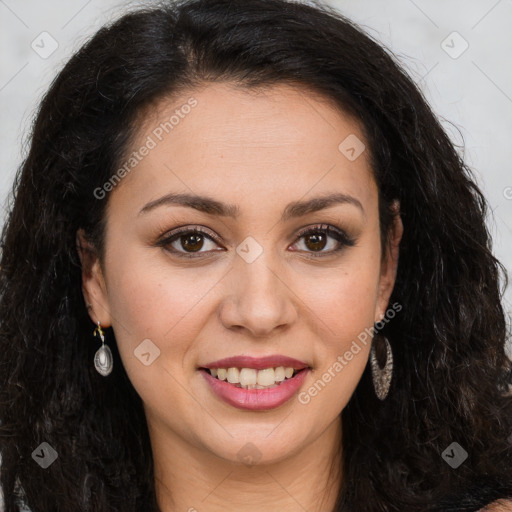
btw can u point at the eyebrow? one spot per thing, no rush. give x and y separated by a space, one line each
211 206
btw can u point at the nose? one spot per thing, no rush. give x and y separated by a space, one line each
260 300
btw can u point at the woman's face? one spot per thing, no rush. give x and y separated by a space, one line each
254 287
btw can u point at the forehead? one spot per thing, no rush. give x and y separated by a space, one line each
239 117
226 140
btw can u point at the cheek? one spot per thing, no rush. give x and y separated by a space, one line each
156 302
150 298
343 315
343 311
342 303
344 297
348 297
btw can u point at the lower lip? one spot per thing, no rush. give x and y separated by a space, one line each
256 399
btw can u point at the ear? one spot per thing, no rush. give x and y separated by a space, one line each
389 263
94 287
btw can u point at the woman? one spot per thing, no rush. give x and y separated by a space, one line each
245 269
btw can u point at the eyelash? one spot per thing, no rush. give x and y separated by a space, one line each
343 238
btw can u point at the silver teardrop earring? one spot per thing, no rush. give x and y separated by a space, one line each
103 360
381 376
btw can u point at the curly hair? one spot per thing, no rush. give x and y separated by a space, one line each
452 374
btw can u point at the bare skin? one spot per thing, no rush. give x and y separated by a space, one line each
260 150
498 506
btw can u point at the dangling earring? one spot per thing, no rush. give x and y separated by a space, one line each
103 359
381 376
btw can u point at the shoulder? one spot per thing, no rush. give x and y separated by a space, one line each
498 506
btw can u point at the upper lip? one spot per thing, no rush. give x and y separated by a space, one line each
258 363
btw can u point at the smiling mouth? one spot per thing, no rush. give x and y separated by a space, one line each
250 378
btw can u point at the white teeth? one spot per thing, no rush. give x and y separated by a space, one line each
250 378
279 374
233 375
266 377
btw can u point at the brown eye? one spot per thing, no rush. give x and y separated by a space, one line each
316 239
192 242
187 242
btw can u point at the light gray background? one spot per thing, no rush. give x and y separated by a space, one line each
473 91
